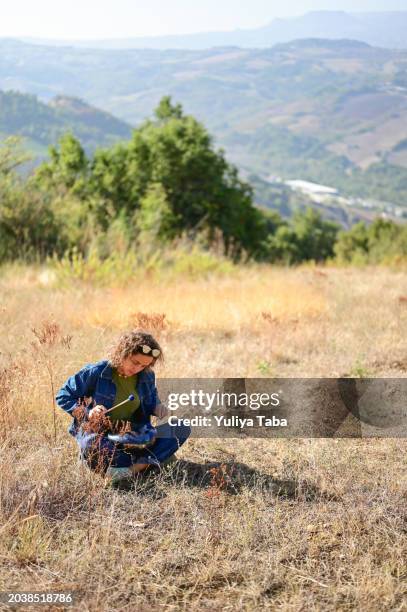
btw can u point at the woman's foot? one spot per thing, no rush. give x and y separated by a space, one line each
118 477
153 468
124 477
136 468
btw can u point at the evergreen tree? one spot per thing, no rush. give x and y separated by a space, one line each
202 191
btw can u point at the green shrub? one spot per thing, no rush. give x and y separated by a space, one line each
182 260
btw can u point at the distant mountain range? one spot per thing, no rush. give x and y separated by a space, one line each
333 112
382 29
43 124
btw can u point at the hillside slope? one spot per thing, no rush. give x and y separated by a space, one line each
327 111
42 124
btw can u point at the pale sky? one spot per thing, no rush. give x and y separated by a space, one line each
95 19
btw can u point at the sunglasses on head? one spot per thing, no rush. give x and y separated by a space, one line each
147 350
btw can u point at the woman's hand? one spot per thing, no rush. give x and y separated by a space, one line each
97 410
161 411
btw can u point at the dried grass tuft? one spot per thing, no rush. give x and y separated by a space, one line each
150 321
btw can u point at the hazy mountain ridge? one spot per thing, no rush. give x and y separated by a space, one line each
381 29
329 111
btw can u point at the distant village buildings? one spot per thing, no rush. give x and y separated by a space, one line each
323 194
319 193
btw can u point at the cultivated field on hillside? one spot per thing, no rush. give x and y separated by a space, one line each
277 525
332 112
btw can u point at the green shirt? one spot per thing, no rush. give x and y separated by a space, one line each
125 386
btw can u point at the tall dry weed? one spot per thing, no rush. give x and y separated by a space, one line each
47 337
5 390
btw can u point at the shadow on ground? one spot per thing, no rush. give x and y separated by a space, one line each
228 477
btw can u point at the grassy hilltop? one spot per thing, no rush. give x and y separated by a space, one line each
256 524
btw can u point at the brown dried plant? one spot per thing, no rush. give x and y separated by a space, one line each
153 321
220 480
267 316
272 320
98 422
48 334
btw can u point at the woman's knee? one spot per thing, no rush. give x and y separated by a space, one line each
182 431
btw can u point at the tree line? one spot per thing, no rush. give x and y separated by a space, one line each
167 181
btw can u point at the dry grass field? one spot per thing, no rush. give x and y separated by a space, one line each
235 525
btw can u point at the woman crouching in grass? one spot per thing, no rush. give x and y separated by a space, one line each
98 387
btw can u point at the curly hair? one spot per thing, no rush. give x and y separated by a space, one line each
130 343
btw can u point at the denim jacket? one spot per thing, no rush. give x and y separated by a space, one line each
95 381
